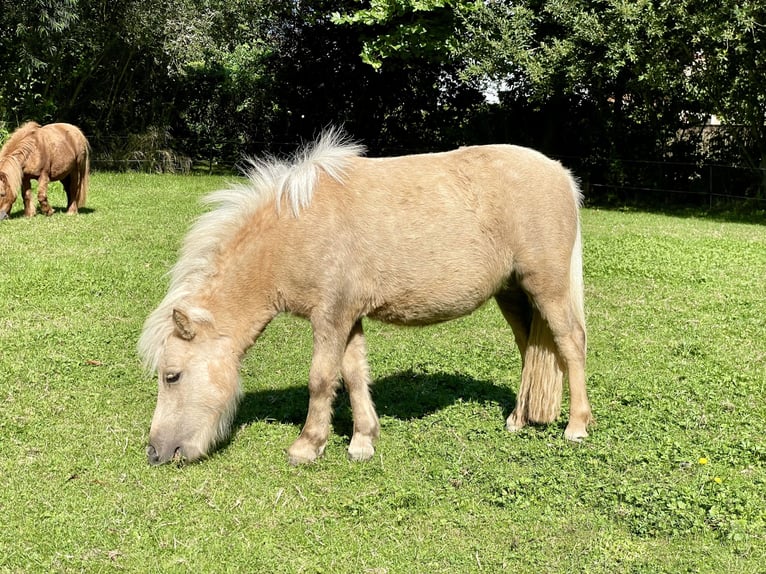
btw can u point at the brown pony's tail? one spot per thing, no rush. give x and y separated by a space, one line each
83 179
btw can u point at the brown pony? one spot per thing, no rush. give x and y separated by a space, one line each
56 152
335 237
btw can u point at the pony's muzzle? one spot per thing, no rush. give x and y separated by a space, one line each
3 215
155 457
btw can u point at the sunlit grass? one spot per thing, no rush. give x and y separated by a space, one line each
671 479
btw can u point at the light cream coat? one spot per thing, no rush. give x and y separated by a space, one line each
335 237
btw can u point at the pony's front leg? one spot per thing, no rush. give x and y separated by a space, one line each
356 376
42 194
26 195
323 383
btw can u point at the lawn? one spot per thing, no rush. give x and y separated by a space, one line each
672 478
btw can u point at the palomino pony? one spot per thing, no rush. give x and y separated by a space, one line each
56 152
335 237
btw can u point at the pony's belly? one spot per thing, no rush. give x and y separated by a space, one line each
424 308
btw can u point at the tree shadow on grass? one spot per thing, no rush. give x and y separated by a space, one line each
406 395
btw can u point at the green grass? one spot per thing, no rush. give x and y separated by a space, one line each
677 376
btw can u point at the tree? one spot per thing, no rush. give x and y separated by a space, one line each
618 79
422 102
34 47
729 70
408 29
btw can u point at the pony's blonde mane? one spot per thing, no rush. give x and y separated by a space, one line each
269 181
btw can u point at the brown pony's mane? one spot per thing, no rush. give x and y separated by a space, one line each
17 137
15 151
269 181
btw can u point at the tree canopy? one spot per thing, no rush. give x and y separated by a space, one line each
604 81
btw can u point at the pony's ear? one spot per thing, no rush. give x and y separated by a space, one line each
188 322
184 326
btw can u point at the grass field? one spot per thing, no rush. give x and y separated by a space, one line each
672 478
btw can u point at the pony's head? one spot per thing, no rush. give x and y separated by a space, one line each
199 387
7 195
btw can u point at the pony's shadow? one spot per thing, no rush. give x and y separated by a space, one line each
59 210
405 395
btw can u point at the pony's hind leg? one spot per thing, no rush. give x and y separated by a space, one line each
517 311
329 345
515 307
356 376
71 184
568 331
552 344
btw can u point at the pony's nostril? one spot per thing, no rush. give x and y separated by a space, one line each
152 456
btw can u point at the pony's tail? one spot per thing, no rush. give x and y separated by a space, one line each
539 399
83 180
542 376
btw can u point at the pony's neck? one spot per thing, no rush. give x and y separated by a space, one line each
240 316
241 294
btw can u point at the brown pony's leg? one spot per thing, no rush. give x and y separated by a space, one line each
356 376
42 194
329 346
70 184
26 195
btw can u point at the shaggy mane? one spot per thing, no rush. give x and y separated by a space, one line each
18 136
269 180
15 151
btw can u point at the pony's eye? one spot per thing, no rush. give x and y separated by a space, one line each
172 377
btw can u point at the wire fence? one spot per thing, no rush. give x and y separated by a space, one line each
675 183
671 183
603 180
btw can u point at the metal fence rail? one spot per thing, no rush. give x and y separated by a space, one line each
603 180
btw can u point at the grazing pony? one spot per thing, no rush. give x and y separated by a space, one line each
334 237
56 152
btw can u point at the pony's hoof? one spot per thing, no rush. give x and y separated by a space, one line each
293 460
514 423
575 434
301 452
360 451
